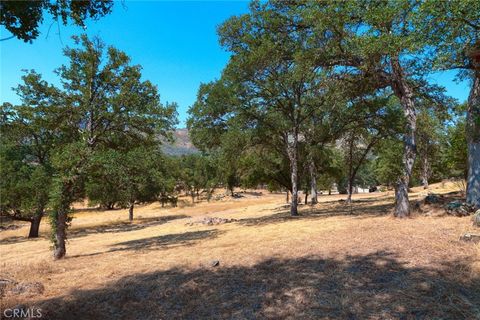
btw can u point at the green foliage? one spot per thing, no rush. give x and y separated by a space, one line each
109 104
261 164
456 149
452 28
62 193
199 173
24 184
124 178
330 167
25 164
430 133
387 165
210 115
22 18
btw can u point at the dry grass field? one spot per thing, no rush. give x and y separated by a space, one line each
332 262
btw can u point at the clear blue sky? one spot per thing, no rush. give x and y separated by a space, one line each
175 42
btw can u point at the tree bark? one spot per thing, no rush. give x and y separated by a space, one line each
350 190
473 143
288 196
61 219
130 211
60 233
425 172
351 145
292 150
306 196
403 91
313 183
35 224
210 193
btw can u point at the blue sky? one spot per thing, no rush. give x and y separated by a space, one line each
175 42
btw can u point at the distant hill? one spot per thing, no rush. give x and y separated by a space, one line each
182 144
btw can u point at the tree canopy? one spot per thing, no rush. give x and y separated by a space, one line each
23 18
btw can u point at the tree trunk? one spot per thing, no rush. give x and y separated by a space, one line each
292 151
349 190
130 211
306 196
473 143
313 183
288 196
162 199
425 172
403 91
210 193
60 235
35 224
351 145
61 219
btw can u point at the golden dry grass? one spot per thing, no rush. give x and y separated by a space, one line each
331 262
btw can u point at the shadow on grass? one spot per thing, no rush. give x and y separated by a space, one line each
363 209
123 226
95 209
374 286
19 239
116 227
165 241
359 208
157 243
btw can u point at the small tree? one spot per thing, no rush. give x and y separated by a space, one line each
103 105
199 173
27 136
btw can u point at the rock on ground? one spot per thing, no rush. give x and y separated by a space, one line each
210 221
27 288
476 218
459 208
468 237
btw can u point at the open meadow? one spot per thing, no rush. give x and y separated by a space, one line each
332 261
